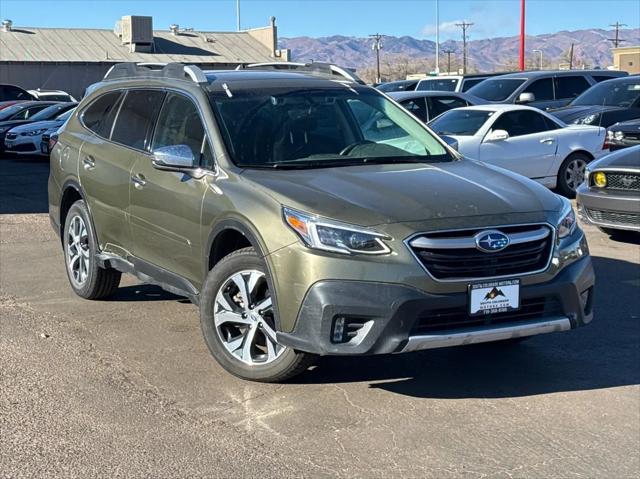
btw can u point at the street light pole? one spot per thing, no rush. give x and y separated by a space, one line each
238 13
377 45
540 61
437 37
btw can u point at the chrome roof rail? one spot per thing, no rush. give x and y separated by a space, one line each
312 68
176 71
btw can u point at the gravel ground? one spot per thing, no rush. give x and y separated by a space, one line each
126 387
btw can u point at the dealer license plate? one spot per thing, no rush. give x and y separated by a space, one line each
494 297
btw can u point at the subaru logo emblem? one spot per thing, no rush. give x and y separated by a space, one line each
491 241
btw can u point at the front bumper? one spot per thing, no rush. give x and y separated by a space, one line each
23 145
388 315
609 208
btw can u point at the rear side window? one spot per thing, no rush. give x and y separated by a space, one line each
179 123
99 116
542 89
570 87
135 119
438 85
466 84
417 107
440 104
599 78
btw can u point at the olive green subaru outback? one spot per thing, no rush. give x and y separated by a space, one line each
306 214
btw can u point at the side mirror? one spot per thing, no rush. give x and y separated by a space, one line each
174 158
497 135
452 142
526 98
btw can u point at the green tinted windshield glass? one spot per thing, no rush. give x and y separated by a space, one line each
320 127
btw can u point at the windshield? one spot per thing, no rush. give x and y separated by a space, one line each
9 111
615 93
320 127
460 122
496 89
447 84
50 112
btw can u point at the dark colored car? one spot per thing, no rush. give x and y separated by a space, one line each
541 89
12 92
427 105
610 196
401 85
604 104
28 112
624 135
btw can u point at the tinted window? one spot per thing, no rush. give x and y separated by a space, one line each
518 123
28 112
570 87
496 89
599 78
438 84
417 107
136 116
613 93
440 104
52 111
179 123
10 92
56 97
470 83
460 122
407 85
99 116
542 89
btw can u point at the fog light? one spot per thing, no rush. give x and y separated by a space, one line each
338 330
599 179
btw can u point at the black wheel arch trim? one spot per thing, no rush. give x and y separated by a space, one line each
74 184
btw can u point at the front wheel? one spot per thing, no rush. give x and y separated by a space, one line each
572 174
238 320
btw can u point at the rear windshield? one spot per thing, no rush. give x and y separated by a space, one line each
496 89
615 93
460 122
447 84
397 86
320 127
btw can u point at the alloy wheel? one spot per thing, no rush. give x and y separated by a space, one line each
244 320
575 172
78 250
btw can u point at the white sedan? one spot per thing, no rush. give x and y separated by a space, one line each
525 140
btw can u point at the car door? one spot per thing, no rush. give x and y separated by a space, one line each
531 147
121 125
166 205
542 90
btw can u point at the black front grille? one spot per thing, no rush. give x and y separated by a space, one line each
471 263
623 181
449 319
614 218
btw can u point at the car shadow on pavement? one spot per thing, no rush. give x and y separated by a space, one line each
604 354
143 293
627 237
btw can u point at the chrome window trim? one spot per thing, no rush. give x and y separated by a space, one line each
414 236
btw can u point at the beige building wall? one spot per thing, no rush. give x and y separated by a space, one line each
627 59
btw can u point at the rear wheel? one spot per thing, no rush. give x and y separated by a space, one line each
572 174
87 278
238 321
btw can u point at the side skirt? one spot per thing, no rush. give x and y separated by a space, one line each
151 274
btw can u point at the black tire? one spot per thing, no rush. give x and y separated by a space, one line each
287 365
564 187
99 282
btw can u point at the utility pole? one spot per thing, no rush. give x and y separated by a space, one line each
522 35
571 58
617 40
437 37
448 53
540 61
464 25
238 13
377 45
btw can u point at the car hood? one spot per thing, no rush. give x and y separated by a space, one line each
625 158
631 126
384 194
13 123
36 125
572 113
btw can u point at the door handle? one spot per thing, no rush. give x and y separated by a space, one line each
547 141
138 181
88 162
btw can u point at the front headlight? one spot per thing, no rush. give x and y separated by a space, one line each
326 235
35 132
587 120
567 224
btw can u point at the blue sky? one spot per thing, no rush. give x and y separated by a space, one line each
331 17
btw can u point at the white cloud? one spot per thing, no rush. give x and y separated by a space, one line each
445 28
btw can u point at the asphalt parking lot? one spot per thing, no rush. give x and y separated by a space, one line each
126 387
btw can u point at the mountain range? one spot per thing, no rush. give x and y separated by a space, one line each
592 48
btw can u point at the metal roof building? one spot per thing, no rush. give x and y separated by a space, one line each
72 59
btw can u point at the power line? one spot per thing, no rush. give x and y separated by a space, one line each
617 40
464 26
377 45
448 53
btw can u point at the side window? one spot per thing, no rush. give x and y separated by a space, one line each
136 117
440 104
99 116
471 82
599 78
179 124
28 112
570 87
542 89
417 107
518 123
